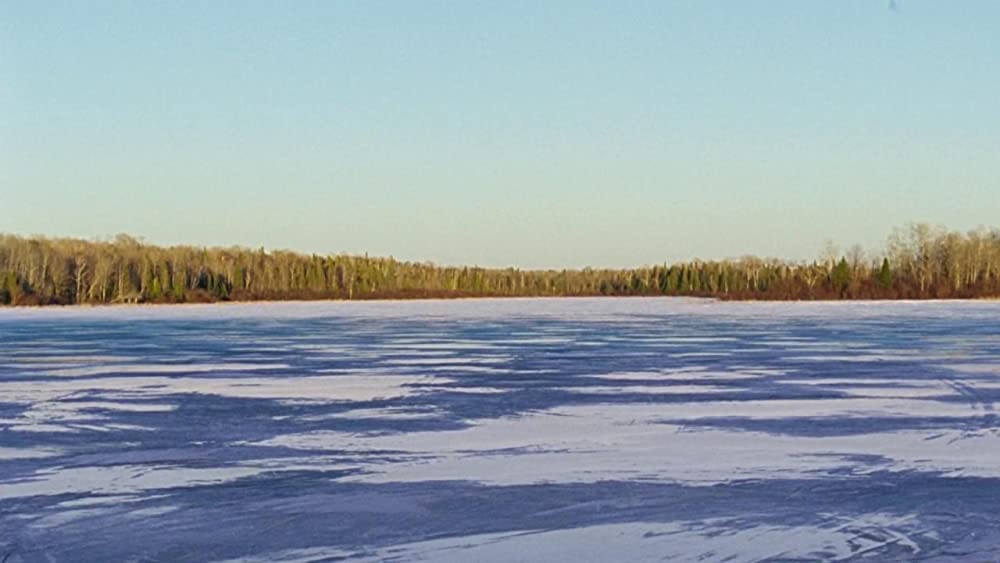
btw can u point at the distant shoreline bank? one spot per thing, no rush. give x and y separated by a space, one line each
234 303
919 263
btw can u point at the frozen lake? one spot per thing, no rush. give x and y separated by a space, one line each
492 430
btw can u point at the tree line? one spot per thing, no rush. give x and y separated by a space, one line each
919 262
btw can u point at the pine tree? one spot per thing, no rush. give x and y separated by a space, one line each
885 275
840 277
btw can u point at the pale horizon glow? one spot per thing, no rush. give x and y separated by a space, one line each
538 135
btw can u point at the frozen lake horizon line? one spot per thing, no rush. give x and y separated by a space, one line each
11 311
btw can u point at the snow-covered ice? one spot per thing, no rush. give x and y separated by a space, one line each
497 430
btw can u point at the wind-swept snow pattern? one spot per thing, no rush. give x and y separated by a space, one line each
498 430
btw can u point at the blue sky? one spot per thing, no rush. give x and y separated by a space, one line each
536 134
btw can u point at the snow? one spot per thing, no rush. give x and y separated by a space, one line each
492 430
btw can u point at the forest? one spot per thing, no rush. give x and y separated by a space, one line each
919 262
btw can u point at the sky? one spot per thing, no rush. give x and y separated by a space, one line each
534 134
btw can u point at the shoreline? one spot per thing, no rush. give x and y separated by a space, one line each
230 303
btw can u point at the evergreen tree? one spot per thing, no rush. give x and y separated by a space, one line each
885 277
840 277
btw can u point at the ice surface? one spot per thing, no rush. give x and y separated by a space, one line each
497 430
